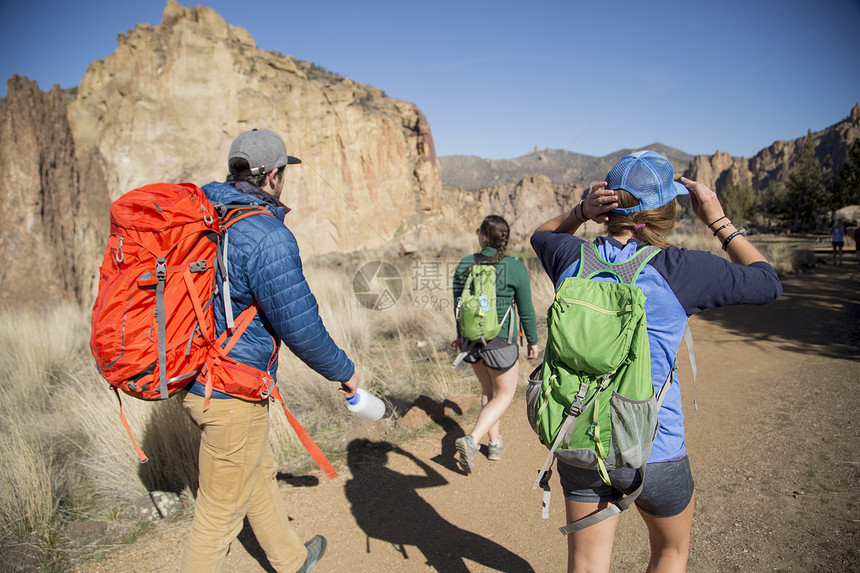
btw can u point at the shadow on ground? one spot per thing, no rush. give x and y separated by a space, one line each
388 508
801 320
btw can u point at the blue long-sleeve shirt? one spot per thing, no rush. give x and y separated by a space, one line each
677 283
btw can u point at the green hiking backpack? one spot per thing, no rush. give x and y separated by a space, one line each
477 318
592 401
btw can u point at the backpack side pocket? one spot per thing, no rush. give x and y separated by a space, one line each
632 429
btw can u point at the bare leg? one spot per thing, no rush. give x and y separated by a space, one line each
589 550
497 392
670 540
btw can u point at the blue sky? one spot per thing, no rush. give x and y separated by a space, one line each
495 79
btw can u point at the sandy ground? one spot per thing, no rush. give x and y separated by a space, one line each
774 445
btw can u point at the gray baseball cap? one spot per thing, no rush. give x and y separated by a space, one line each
263 149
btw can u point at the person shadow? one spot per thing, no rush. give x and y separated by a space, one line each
386 506
438 413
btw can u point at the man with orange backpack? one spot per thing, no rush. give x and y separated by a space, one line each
237 467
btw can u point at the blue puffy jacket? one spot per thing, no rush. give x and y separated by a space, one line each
264 266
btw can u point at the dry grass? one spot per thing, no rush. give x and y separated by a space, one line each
786 255
36 475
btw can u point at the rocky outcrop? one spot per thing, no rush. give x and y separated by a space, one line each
165 107
557 179
167 104
524 204
54 208
720 171
774 162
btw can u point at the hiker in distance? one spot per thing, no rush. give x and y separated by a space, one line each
637 204
237 466
487 337
837 240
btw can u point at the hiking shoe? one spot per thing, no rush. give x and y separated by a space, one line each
467 448
316 549
494 451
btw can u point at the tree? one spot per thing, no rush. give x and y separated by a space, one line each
774 202
807 196
846 188
739 202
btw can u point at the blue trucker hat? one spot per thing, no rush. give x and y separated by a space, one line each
649 177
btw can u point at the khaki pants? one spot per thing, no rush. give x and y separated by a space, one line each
237 478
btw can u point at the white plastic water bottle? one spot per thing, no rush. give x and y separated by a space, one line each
366 405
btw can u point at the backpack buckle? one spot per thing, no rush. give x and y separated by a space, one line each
221 209
160 268
198 266
576 406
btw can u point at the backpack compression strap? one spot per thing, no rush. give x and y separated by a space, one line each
161 319
576 408
140 455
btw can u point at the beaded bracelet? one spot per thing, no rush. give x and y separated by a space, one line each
730 237
729 224
584 219
716 221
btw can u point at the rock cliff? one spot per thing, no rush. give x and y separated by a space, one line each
168 103
165 107
774 162
524 204
54 215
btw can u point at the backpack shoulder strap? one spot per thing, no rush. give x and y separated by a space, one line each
235 212
229 215
591 264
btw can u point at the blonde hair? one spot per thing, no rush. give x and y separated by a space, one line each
651 227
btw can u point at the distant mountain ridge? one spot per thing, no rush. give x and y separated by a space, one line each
544 183
470 173
719 171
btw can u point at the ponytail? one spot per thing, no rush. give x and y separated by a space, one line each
497 231
651 227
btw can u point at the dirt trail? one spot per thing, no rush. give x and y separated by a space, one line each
775 450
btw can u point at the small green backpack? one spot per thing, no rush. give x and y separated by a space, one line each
592 401
477 318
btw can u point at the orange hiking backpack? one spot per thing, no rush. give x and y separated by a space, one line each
153 325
